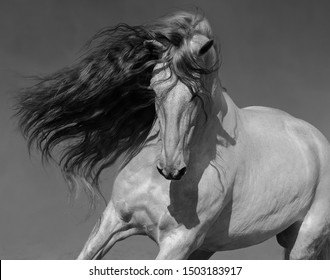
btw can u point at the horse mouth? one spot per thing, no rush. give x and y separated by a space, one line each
173 174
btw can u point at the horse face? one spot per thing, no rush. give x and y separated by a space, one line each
177 112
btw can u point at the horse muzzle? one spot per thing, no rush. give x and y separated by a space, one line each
171 173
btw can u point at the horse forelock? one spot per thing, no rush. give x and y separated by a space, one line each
102 107
176 33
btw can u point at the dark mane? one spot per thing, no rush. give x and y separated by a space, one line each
102 108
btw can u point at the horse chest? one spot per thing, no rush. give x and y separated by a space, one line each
157 206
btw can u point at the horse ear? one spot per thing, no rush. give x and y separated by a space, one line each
154 43
204 49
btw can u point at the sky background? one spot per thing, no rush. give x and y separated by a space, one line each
275 53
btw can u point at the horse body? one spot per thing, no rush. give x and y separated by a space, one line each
288 180
200 174
219 206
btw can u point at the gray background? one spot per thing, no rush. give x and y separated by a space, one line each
275 53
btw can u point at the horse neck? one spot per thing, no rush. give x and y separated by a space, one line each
228 115
222 125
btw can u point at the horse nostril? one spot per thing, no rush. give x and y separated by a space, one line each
160 170
178 175
182 171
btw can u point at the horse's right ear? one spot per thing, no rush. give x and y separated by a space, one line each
154 44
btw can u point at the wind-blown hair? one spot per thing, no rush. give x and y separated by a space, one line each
102 107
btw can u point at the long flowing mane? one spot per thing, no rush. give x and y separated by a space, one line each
102 108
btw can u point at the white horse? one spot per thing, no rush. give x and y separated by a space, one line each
211 176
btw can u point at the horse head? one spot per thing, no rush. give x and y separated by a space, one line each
180 100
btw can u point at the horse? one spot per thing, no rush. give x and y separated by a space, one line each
197 174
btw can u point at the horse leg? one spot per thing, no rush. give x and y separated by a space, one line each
312 241
288 237
108 230
200 255
177 245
